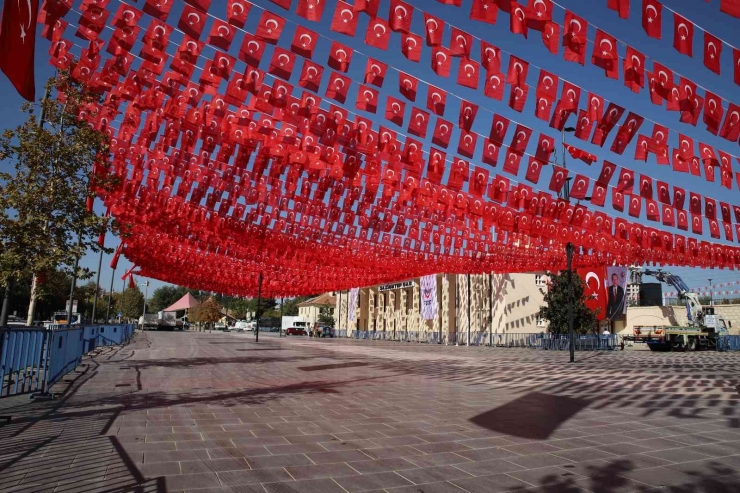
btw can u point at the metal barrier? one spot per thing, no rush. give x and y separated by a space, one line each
728 343
33 359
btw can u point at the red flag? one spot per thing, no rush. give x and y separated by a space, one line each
713 112
712 53
17 45
375 72
518 20
518 98
400 15
494 87
484 11
534 168
634 70
436 100
311 10
617 200
580 187
696 224
490 57
394 110
652 12
730 7
378 34
585 125
559 176
340 56
270 27
621 6
370 7
411 46
608 122
598 195
538 14
282 63
192 21
441 61
731 128
418 122
605 54
736 64
683 35
635 206
520 139
627 132
607 171
575 38
517 73
626 180
468 111
543 108
338 87
499 126
345 19
490 152
434 28
512 162
467 143
461 43
545 147
547 85
442 133
304 42
407 86
551 37
221 35
468 73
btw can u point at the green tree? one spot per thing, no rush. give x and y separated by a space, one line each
131 304
555 310
45 219
165 296
326 317
207 312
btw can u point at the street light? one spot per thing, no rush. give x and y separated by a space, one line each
146 295
711 292
569 252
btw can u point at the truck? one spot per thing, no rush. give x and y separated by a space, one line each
160 321
702 331
289 321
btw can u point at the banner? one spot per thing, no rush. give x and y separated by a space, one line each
352 303
615 285
429 297
594 278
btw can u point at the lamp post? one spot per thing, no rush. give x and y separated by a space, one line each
146 295
569 253
711 292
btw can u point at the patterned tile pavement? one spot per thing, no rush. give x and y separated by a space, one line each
220 413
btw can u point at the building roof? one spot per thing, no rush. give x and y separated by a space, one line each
325 299
187 301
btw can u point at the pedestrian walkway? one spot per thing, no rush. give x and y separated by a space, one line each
199 412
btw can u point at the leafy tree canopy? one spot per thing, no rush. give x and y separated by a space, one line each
556 299
131 304
207 312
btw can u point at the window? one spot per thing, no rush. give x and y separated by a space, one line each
540 280
541 322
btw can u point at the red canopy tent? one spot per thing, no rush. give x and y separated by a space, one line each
185 303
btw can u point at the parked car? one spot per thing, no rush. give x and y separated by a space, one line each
295 331
326 331
219 326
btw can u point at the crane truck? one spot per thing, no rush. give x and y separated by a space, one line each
702 331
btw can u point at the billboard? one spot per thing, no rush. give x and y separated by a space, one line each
615 285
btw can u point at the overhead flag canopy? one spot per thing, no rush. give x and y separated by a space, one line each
329 144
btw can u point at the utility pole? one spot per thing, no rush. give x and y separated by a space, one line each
110 295
97 285
711 292
469 302
569 254
146 295
259 302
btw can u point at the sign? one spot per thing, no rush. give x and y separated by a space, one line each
428 297
615 285
710 321
352 304
398 285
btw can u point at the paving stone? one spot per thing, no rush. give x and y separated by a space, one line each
306 486
368 482
321 471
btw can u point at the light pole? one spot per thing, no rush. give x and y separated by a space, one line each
711 292
569 253
146 295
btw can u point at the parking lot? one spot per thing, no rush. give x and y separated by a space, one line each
182 411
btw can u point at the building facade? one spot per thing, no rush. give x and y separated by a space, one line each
468 306
311 310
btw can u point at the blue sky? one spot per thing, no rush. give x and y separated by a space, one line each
588 77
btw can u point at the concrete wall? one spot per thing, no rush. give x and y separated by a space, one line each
501 303
672 315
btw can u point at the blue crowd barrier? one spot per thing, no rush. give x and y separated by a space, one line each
728 343
33 359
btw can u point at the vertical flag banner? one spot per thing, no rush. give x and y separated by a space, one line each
17 45
429 297
352 303
615 286
594 278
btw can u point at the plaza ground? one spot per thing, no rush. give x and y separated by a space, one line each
218 412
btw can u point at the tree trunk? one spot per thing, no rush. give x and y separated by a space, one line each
32 303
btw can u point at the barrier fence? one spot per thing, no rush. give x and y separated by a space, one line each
552 342
33 359
728 343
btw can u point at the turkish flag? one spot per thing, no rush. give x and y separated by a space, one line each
731 128
580 187
304 42
682 220
669 215
621 6
635 206
559 176
683 35
490 57
310 79
713 112
282 63
340 56
605 54
367 99
712 52
484 11
543 108
494 86
696 224
407 86
468 73
517 73
311 10
375 72
598 195
436 100
634 70
192 21
490 152
400 15
338 87
710 208
468 111
442 133
499 126
585 125
345 19
730 7
467 143
518 20
461 43
617 200
652 12
575 38
596 297
434 28
534 168
512 162
736 64
551 37
270 27
441 61
538 14
370 7
222 34
411 46
394 110
518 98
520 139
378 34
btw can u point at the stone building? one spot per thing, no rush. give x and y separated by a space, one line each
310 310
468 306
